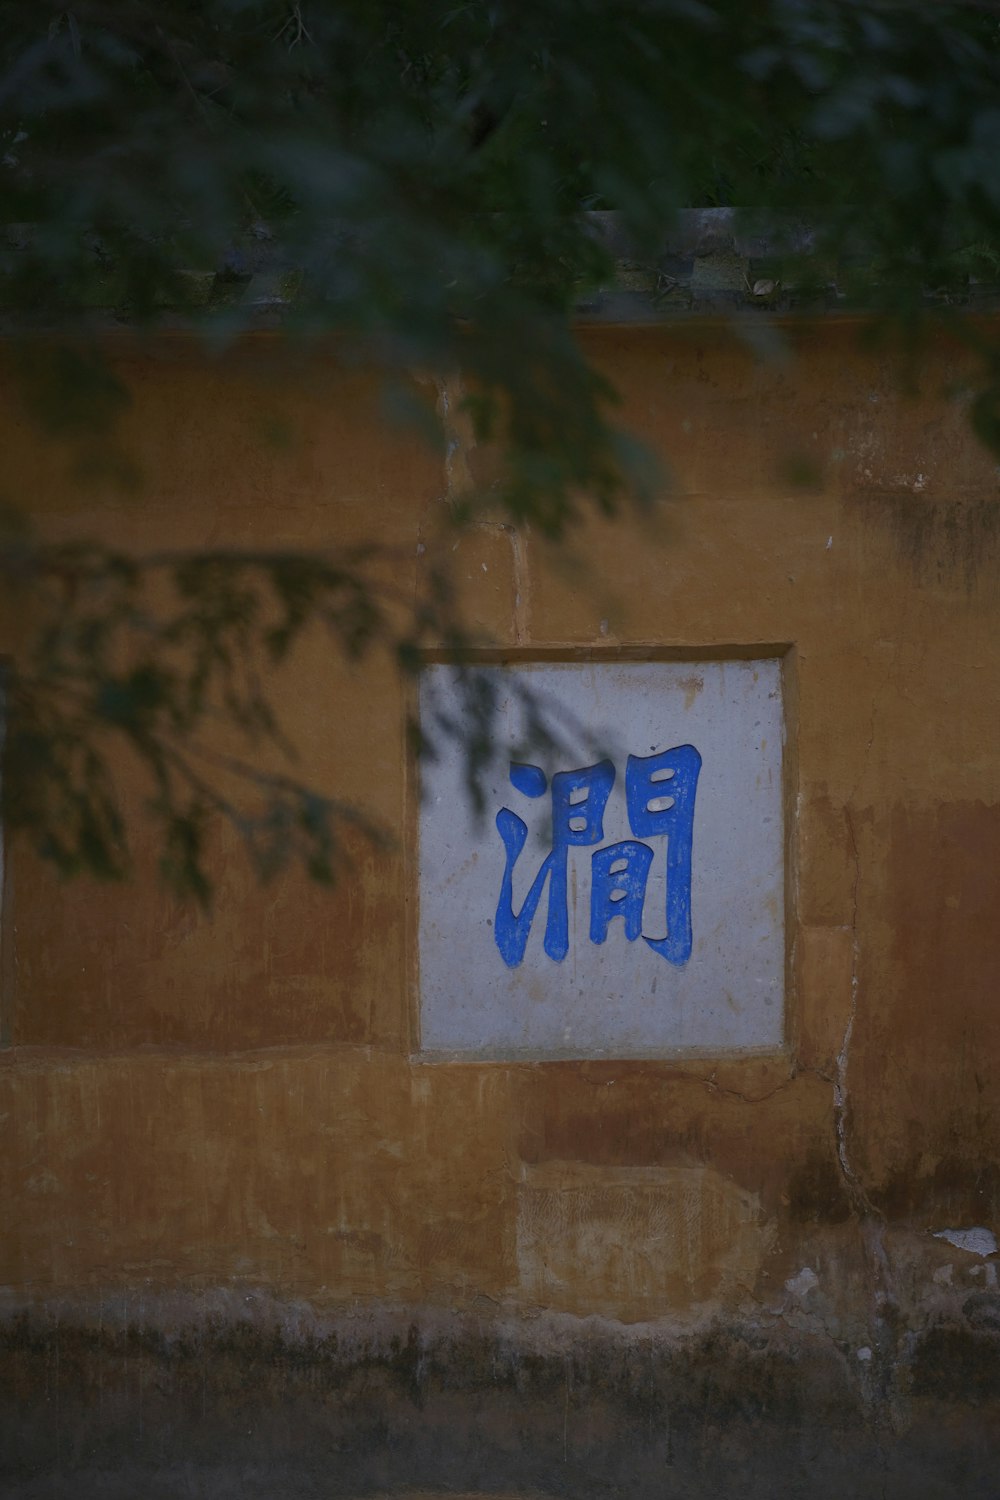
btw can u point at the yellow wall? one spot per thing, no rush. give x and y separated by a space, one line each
193 1103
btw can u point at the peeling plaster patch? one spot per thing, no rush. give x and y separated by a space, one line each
864 1354
914 482
801 1285
943 1275
977 1241
43 1182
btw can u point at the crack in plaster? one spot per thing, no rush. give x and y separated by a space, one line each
855 1188
460 440
880 1385
522 597
718 1088
457 438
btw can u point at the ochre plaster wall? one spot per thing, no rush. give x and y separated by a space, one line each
193 1103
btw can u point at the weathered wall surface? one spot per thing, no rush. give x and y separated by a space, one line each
230 1194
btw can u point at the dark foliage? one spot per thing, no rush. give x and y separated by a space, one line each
419 177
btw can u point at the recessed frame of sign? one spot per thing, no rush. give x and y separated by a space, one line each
622 894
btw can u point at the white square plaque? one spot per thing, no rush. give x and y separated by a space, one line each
621 894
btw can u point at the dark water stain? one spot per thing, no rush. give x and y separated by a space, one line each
816 1192
940 541
236 1408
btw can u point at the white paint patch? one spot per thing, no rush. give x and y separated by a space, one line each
627 954
864 1354
977 1241
801 1285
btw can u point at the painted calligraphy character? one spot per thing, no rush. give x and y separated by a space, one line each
618 887
578 802
659 793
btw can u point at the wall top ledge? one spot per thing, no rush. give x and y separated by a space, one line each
714 262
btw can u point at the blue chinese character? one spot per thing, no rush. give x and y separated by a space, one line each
578 802
618 887
660 797
659 793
